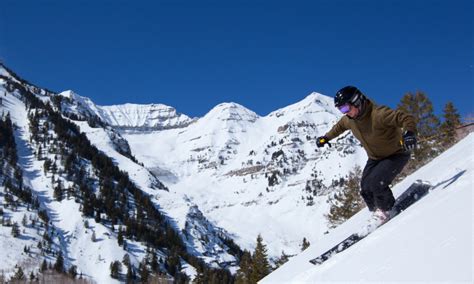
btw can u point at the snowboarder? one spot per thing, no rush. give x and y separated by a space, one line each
387 136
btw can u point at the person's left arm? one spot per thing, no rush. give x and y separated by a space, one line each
398 118
403 120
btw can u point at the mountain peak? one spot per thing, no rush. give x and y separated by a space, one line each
314 102
157 116
79 104
231 111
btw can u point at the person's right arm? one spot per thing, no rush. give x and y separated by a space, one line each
337 129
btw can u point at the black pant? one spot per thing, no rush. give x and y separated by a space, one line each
376 178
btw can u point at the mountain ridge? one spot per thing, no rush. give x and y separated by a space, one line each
231 172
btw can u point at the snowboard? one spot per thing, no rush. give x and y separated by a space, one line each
414 193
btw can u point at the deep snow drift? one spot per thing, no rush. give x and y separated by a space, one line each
431 241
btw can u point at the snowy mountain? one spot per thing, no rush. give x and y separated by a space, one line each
223 178
100 183
71 189
249 174
431 241
134 116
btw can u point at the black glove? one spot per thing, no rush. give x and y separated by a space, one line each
409 140
321 141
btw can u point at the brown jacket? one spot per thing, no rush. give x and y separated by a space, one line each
378 129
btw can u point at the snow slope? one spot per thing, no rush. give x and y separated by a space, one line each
73 238
431 241
72 232
210 248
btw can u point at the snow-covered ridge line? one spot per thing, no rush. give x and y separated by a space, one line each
12 76
144 116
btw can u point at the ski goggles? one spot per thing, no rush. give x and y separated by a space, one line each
345 108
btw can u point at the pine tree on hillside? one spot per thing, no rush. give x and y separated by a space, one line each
19 274
32 276
243 274
126 260
154 265
452 119
130 273
348 202
282 260
143 271
115 269
44 266
305 244
420 106
72 271
59 264
260 265
15 230
120 236
58 191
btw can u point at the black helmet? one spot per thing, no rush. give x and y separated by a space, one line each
349 95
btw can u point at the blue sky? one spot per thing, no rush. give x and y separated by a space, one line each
193 55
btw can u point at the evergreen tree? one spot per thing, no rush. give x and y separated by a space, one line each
72 271
32 276
44 266
120 236
126 260
15 230
201 278
283 259
19 274
305 244
346 203
421 107
154 262
58 191
452 120
143 271
260 264
59 264
243 274
130 273
47 165
115 269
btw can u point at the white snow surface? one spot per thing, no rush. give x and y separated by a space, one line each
431 241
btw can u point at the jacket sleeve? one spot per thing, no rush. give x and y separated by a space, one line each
337 129
398 118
